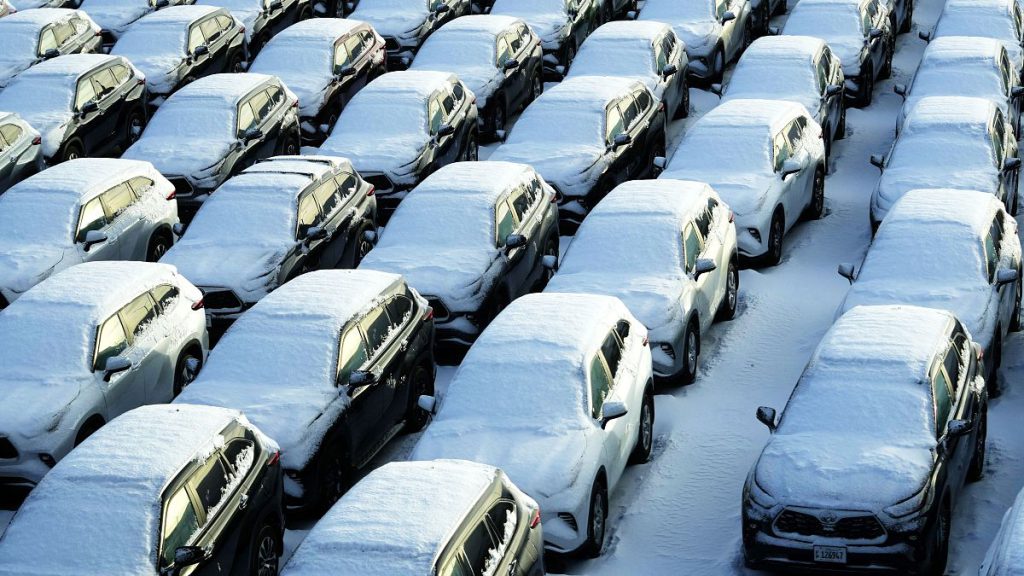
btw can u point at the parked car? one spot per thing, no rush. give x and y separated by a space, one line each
229 121
867 476
405 24
330 406
20 150
82 104
980 68
115 16
473 237
776 155
799 69
333 8
761 12
949 142
947 249
667 249
6 9
162 489
325 61
402 127
173 47
83 210
714 32
262 19
475 522
859 32
26 4
647 51
32 36
1004 556
112 336
499 58
274 221
588 356
561 25
997 19
609 130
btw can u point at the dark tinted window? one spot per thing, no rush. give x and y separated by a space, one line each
353 354
377 327
347 183
210 484
703 222
180 523
612 351
164 295
943 404
104 82
399 310
328 197
138 314
308 215
477 547
505 223
643 101
629 112
239 454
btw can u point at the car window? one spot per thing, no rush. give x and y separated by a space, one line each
614 123
47 41
434 115
355 46
991 256
477 547
137 315
952 364
246 119
86 93
117 200
180 523
238 455
780 151
91 217
515 39
502 518
164 295
347 183
643 101
822 70
1004 72
3 142
962 348
377 327
661 54
328 197
225 22
104 82
600 385
210 484
449 104
308 215
341 57
703 222
261 106
721 7
611 349
503 52
1017 20
352 355
458 92
692 247
10 133
795 132
195 38
110 341
211 29
399 310
998 136
141 185
521 202
64 32
121 73
505 223
943 403
629 112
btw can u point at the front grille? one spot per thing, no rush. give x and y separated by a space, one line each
7 450
441 312
380 182
221 300
391 43
570 520
181 187
667 349
864 527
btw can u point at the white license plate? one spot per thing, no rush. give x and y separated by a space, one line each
832 554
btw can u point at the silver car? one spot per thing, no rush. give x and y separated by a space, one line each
31 36
20 151
714 31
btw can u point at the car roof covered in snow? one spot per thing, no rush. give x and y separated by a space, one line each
319 30
675 199
83 178
759 114
113 483
419 84
588 91
489 24
396 520
69 65
629 31
769 49
312 166
972 5
965 210
950 113
962 48
484 182
183 14
34 19
226 87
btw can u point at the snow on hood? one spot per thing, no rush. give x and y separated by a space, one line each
168 156
698 36
377 134
22 265
897 181
547 18
382 152
654 300
304 69
572 169
45 106
218 264
32 407
391 17
458 276
116 15
9 68
847 49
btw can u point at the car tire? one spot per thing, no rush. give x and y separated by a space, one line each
331 475
472 151
235 63
776 233
499 116
816 209
72 151
690 352
360 247
977 469
730 301
940 543
159 244
608 12
597 519
186 369
867 82
908 20
291 145
886 70
645 437
266 550
421 383
841 128
764 17
550 249
134 124
1015 323
304 13
88 429
536 87
717 71
992 378
782 8
683 110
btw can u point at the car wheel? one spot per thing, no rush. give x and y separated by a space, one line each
421 383
775 233
72 151
498 116
908 19
361 245
817 207
570 55
159 244
718 65
235 63
867 87
550 249
841 127
536 87
88 429
186 370
265 546
992 379
1015 323
290 146
940 545
886 70
730 301
780 9
607 13
304 14
596 520
764 18
748 32
977 469
645 438
684 100
331 476
472 153
134 124
691 352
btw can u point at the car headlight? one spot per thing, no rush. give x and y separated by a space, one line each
262 281
760 496
911 505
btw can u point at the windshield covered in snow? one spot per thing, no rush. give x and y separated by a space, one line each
289 59
942 150
937 255
529 6
452 52
972 79
199 118
575 125
614 58
435 220
775 76
373 117
150 40
678 11
978 22
19 43
30 218
826 21
243 216
600 247
35 94
745 149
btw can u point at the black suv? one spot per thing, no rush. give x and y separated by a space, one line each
331 365
161 489
405 29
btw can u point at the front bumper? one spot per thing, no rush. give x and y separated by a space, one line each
764 550
752 237
699 67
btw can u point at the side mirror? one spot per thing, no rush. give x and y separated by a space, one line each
512 64
115 365
847 271
926 36
774 30
1005 276
833 90
315 233
878 161
344 72
766 416
89 107
51 53
163 3
791 166
201 50
1017 91
958 428
669 70
728 16
703 266
717 89
1011 164
513 241
442 8
188 555
252 134
446 130
178 229
427 403
660 162
360 378
875 33
612 410
900 89
622 140
92 238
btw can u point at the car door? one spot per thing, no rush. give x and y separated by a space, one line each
525 262
505 224
1003 297
693 250
125 390
798 187
951 452
89 125
146 350
877 45
92 216
307 216
617 141
832 105
109 100
329 251
707 229
197 51
371 403
123 222
447 148
603 384
253 114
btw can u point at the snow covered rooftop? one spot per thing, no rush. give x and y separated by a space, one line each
36 18
490 24
84 178
113 484
475 181
386 526
629 31
967 210
764 114
68 65
588 91
182 14
962 48
973 5
318 30
312 166
768 49
94 289
409 83
950 113
676 199
223 87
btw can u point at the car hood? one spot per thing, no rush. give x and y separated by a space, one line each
567 167
117 18
171 158
32 407
22 267
51 124
234 266
654 300
970 304
11 68
158 70
549 26
387 23
848 48
453 275
745 194
846 473
380 154
896 182
697 36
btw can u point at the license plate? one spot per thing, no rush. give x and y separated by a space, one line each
832 554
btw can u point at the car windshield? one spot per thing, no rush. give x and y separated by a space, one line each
825 21
19 43
618 58
193 118
294 60
28 218
372 117
977 23
702 151
776 77
530 6
241 5
677 12
946 150
582 125
940 257
233 217
972 79
37 94
600 247
440 221
142 41
454 52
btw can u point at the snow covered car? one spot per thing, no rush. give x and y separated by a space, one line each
609 130
573 375
213 128
403 126
714 32
799 69
175 46
26 4
20 151
475 522
262 19
32 36
997 19
83 210
947 249
473 237
6 9
561 25
499 58
667 249
115 16
160 490
980 67
82 104
325 61
646 51
330 366
405 24
866 476
112 336
859 32
274 221
1004 557
949 142
776 171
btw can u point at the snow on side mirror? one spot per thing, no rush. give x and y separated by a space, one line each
612 410
188 556
875 33
877 161
92 238
900 89
766 416
1005 276
774 30
926 36
660 162
728 16
1017 91
513 241
1011 164
716 89
846 271
360 378
791 166
958 428
669 70
703 266
115 365
178 229
427 403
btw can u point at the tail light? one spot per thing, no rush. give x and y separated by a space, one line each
661 107
274 459
198 304
429 314
372 190
296 103
980 353
140 82
241 29
98 35
535 521
554 198
37 140
646 341
172 194
732 216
